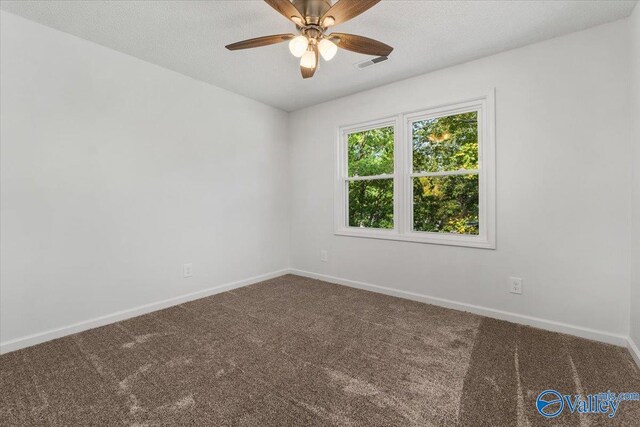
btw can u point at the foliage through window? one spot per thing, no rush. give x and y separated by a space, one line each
423 177
370 164
444 200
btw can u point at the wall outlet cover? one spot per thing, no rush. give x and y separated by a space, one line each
515 285
187 270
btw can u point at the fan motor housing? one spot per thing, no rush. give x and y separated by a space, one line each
313 10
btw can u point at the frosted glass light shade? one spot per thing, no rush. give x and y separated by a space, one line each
328 21
308 60
328 49
298 46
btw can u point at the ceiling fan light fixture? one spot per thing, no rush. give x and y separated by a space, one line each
298 46
312 19
328 49
308 60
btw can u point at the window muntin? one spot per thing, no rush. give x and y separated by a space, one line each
370 181
443 178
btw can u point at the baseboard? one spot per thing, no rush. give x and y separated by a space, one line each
634 350
587 333
27 341
548 325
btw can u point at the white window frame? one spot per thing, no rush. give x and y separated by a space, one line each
344 179
403 175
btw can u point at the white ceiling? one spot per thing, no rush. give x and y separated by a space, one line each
189 37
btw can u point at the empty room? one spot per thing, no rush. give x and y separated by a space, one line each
319 213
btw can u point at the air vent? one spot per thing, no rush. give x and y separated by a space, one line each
370 62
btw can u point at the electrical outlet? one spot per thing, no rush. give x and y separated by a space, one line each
515 285
187 270
324 256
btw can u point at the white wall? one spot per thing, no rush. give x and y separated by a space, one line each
634 23
115 172
563 185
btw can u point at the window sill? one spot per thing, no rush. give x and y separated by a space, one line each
448 239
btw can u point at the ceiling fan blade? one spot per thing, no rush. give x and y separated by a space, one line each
288 10
260 41
344 10
309 72
360 44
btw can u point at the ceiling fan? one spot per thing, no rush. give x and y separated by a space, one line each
313 18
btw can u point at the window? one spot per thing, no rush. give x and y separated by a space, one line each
370 168
445 173
424 177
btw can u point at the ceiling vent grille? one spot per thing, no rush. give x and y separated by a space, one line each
369 62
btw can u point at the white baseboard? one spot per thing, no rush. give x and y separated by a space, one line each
41 337
634 350
579 331
548 325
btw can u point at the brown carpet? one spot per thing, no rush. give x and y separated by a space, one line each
296 351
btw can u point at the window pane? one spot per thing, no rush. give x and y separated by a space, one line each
371 203
446 143
370 152
446 204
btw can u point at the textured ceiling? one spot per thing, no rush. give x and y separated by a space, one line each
189 37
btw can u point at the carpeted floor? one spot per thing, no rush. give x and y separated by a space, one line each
296 351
